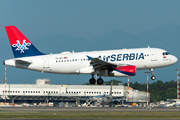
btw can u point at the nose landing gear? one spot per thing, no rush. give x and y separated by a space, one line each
152 77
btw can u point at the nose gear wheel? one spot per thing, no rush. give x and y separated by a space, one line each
153 77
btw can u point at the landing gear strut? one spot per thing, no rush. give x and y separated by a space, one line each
93 81
152 77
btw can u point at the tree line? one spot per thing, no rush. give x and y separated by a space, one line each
158 90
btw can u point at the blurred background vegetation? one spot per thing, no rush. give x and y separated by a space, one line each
158 90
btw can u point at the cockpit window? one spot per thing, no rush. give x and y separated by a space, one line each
166 53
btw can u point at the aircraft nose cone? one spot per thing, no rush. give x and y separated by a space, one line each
174 59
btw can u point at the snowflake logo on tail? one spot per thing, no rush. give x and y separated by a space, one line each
22 47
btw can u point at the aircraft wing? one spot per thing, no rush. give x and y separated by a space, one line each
100 64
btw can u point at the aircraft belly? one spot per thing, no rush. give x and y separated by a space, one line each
65 68
147 64
59 68
36 65
138 64
73 68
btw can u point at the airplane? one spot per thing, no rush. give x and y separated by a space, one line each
106 99
107 63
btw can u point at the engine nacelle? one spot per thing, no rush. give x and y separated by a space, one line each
123 71
117 74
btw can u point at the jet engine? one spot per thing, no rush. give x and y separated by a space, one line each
123 71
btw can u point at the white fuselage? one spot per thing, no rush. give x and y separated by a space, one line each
78 63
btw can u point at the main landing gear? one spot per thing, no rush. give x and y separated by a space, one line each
93 81
152 77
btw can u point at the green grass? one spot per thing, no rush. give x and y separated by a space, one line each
90 115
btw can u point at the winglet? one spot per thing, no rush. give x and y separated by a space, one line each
21 46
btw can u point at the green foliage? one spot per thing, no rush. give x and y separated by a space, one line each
87 114
158 90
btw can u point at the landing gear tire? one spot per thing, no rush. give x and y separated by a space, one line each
100 81
153 77
92 81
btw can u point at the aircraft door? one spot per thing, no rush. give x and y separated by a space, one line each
46 62
153 55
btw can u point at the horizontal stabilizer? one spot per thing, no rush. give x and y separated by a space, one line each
22 62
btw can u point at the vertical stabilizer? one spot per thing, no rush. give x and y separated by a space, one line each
20 45
111 88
